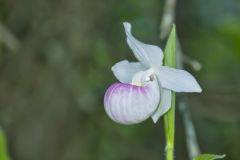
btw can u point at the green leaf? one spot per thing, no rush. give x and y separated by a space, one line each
170 49
3 146
209 157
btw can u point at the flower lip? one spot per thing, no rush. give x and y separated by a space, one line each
130 104
119 87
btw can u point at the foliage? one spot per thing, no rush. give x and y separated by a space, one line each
3 146
208 157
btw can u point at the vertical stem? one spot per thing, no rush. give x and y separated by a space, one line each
168 19
169 60
169 124
169 117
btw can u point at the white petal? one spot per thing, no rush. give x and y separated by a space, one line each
124 70
130 104
177 80
164 106
149 55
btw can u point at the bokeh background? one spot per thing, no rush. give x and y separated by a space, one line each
55 60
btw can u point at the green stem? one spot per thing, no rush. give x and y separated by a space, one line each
169 124
169 117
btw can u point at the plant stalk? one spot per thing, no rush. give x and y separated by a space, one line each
169 117
169 124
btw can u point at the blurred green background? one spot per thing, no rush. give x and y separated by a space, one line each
55 60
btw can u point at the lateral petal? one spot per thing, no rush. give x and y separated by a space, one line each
177 80
149 55
164 106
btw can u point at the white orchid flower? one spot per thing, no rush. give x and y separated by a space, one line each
145 87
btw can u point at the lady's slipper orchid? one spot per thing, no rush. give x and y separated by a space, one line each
145 87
